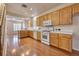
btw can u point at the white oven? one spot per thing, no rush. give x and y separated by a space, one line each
46 32
45 37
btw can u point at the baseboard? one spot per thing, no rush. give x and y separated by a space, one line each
75 50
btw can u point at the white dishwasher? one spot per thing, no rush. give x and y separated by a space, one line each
35 35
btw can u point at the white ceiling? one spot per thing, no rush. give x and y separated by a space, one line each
37 8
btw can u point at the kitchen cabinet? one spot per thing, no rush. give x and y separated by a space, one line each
65 42
75 8
65 16
37 21
62 41
55 18
30 23
40 21
45 17
60 17
30 34
54 39
22 33
49 16
39 36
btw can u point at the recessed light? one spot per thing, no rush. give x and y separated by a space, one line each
30 8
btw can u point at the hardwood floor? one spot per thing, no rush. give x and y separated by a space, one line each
19 46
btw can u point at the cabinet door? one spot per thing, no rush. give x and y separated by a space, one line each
65 16
41 21
49 16
54 39
55 18
37 21
30 23
75 8
65 43
45 17
30 33
39 36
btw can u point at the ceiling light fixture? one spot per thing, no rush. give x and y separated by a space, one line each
23 5
30 8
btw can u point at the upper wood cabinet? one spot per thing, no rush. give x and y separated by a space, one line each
60 17
49 16
45 17
39 21
75 8
55 18
66 16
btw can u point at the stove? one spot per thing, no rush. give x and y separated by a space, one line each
45 37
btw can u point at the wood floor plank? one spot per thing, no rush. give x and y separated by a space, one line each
38 48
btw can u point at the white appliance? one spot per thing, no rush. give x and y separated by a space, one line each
45 37
46 32
35 35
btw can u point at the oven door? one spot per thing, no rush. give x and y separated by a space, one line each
45 36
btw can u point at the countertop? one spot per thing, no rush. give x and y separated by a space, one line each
62 31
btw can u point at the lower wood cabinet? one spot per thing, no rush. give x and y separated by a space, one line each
62 41
30 34
65 42
39 36
54 39
22 33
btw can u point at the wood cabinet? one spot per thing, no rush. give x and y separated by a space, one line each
45 17
65 42
40 21
65 16
39 36
60 17
55 18
62 41
30 23
75 8
37 21
54 39
22 34
30 34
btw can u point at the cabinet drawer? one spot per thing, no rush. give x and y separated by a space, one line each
54 34
65 36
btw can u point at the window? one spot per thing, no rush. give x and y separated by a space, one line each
17 26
